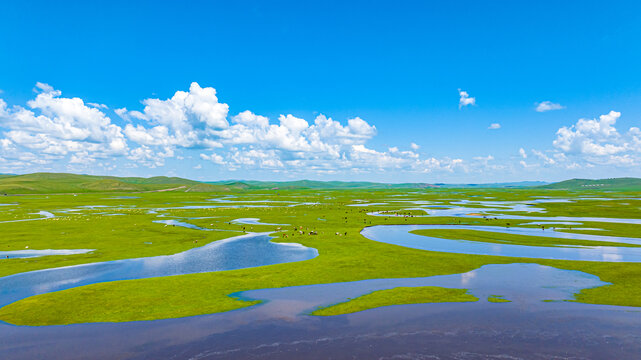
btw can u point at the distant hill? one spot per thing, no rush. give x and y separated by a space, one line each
312 184
602 184
519 184
338 185
51 183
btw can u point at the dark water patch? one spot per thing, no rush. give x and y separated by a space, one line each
527 284
426 331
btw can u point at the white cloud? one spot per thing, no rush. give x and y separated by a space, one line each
546 159
465 99
363 158
42 87
248 118
187 111
215 158
484 160
494 126
7 145
293 124
263 159
186 120
54 128
587 144
522 153
150 157
59 126
591 137
98 106
592 142
196 119
548 106
359 128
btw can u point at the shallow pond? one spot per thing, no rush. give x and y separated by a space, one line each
539 223
181 224
279 328
523 329
36 253
45 215
253 221
522 283
366 204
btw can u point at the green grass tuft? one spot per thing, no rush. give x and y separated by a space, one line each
397 296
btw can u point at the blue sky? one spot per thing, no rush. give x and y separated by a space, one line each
326 90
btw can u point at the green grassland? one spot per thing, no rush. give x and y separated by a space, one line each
602 184
397 296
348 257
55 183
497 299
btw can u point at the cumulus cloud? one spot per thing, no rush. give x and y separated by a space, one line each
465 99
59 126
55 128
250 119
592 137
150 157
592 142
494 126
587 144
187 119
548 106
215 158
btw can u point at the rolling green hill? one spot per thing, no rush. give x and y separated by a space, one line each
52 183
312 184
345 185
602 184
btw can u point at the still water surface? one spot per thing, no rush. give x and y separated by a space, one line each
400 235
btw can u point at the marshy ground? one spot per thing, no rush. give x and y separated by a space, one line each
176 254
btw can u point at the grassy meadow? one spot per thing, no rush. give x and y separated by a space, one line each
119 225
397 296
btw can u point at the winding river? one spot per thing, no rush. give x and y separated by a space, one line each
244 251
282 313
400 235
